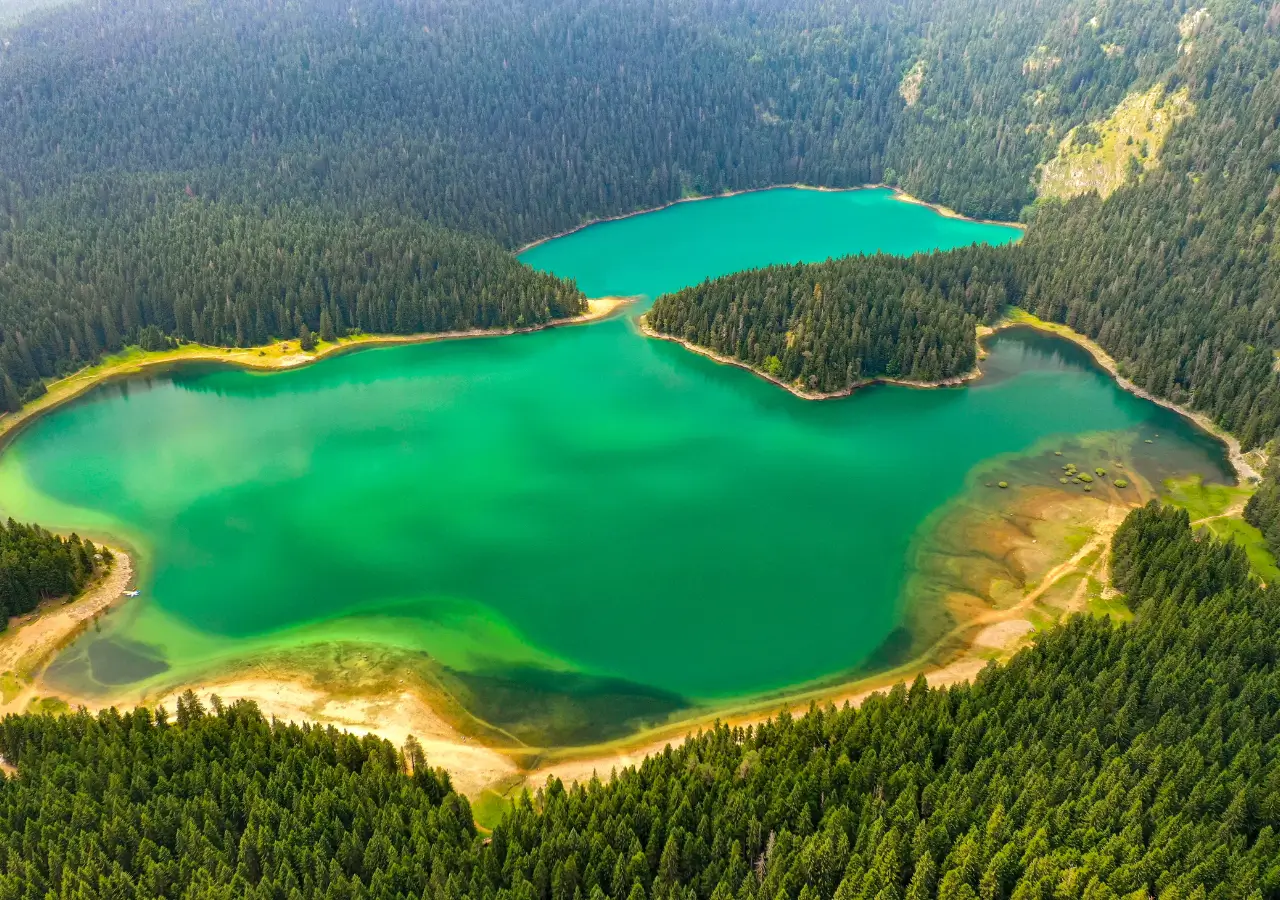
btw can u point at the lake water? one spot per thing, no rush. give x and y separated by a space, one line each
571 532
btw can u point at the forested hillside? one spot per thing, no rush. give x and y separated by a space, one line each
334 126
443 110
1175 276
117 264
36 565
1135 760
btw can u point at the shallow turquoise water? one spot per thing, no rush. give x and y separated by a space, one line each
576 531
687 243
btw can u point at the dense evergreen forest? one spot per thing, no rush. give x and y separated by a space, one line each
332 127
1175 276
114 265
36 565
831 325
444 110
1106 761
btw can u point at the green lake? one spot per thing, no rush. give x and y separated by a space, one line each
572 532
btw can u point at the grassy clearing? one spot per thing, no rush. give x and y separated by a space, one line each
1218 505
491 805
1244 534
1100 156
1200 500
1058 596
10 686
53 706
1043 618
1099 605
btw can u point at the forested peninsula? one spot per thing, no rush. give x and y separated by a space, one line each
1174 275
1108 760
37 565
332 169
828 327
240 172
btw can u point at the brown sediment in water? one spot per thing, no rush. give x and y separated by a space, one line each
31 641
1245 470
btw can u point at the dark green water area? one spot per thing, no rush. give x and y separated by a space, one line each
573 532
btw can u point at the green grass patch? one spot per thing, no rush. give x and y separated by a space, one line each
1042 618
10 686
1087 561
53 706
1077 536
1099 605
1202 500
489 808
1244 534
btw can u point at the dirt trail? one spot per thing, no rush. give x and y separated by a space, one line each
1234 511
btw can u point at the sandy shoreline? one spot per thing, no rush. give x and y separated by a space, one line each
941 210
1245 471
472 766
31 641
277 357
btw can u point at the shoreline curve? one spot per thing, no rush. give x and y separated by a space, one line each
135 362
898 194
1246 472
954 381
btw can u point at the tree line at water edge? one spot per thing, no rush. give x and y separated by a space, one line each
1105 761
1174 275
37 565
137 264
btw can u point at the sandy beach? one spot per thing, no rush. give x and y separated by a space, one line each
32 640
